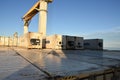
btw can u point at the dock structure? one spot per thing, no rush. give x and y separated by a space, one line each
93 44
59 64
35 56
39 40
14 67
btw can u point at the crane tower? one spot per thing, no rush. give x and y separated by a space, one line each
41 7
43 16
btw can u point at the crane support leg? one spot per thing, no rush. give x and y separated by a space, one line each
25 27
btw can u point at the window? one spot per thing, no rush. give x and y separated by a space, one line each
79 45
47 42
60 42
100 44
70 43
86 44
35 41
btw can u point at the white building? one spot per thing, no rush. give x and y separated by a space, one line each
96 44
30 40
64 42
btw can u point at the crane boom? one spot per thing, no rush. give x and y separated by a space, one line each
32 12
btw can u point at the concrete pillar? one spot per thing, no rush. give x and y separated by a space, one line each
42 17
25 27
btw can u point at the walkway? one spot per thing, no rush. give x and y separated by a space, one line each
14 67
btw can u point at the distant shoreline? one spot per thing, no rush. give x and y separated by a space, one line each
112 49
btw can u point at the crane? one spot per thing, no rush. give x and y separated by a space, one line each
41 8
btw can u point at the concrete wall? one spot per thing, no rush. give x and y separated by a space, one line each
64 42
30 40
70 42
93 44
79 43
6 41
23 41
56 42
15 41
74 42
35 40
2 42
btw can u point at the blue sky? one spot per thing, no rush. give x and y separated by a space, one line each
87 18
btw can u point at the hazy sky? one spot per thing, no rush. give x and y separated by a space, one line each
87 18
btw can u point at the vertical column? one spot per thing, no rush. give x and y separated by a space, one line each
25 27
42 17
15 39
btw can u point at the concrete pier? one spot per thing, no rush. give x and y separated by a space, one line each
14 67
70 62
34 64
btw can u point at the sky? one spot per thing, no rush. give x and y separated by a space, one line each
86 18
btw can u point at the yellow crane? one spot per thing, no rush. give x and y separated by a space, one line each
40 6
